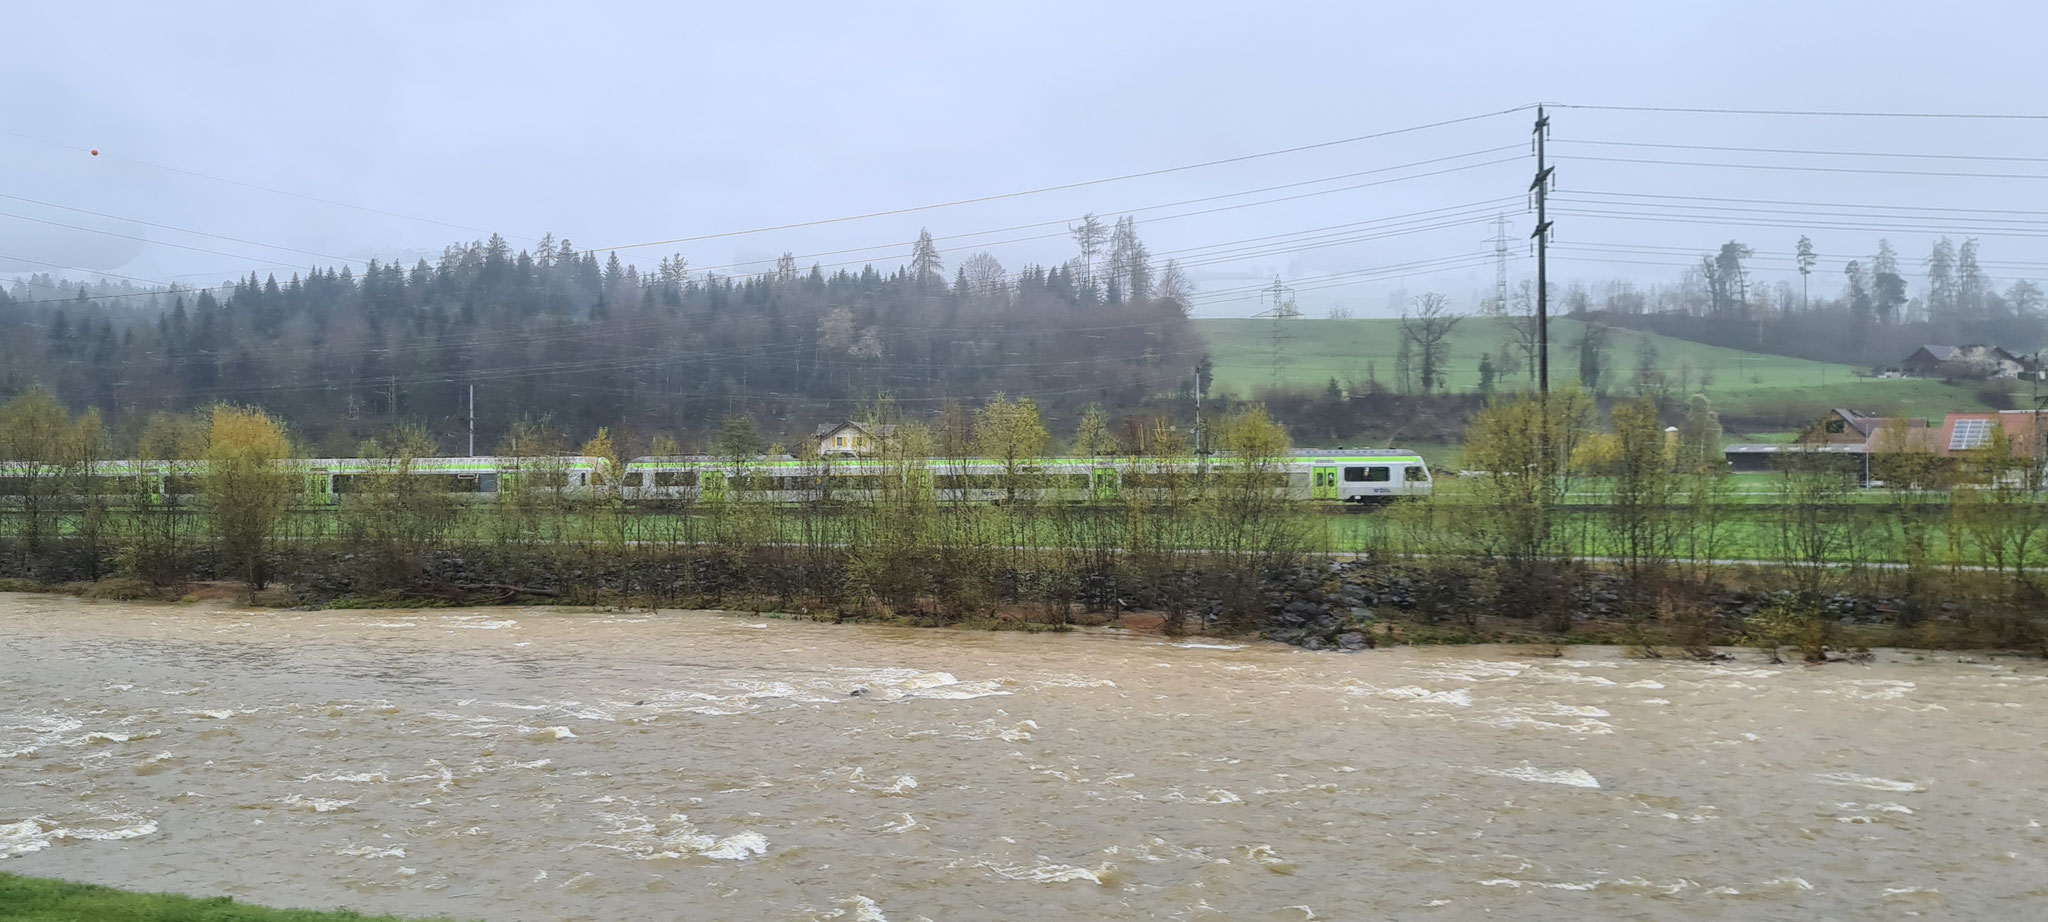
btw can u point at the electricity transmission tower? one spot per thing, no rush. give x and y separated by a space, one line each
1281 309
1500 264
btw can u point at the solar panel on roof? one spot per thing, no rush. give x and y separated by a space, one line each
1970 433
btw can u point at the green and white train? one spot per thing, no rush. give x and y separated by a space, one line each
1341 476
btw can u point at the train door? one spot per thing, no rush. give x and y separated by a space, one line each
1323 481
714 486
1105 483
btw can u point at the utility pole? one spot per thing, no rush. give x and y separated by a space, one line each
1198 411
1541 188
472 420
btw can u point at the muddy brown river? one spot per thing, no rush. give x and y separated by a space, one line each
514 764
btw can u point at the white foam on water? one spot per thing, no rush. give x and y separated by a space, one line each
1659 702
1046 873
1872 782
1587 727
1461 697
1872 689
1073 681
1795 882
1570 777
349 777
1577 678
481 623
136 827
738 847
1475 670
1741 673
371 851
1577 710
1626 883
1646 683
1020 733
315 804
36 833
908 823
1215 797
214 714
22 838
1886 807
1191 645
547 734
645 840
903 784
864 910
1910 891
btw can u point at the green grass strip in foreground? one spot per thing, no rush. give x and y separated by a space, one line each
43 900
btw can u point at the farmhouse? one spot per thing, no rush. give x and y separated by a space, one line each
851 439
1972 361
1842 433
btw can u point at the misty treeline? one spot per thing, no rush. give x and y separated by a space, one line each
897 537
1873 313
593 341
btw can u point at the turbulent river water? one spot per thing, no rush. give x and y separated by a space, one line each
532 764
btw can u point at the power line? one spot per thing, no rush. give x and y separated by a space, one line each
182 230
1815 153
1754 201
1803 112
1076 185
1811 169
109 155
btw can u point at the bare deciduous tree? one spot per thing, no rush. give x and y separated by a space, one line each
1427 326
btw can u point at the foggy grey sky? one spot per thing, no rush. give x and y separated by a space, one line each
613 124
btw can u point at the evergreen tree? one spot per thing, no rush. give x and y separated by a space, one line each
1803 254
925 267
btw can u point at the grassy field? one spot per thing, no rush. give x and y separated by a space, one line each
41 900
1743 385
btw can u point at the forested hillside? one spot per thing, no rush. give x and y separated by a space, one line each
594 342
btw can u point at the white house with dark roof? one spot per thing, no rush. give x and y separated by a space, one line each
851 439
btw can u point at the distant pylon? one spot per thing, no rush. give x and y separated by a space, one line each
1500 263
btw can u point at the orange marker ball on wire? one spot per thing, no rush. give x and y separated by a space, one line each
95 151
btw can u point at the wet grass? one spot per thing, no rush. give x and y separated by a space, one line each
45 900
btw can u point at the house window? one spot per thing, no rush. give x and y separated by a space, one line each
839 442
1836 426
1970 433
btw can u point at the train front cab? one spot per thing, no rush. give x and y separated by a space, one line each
1374 481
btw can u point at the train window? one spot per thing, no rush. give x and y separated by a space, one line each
1354 475
1378 474
634 478
1414 473
487 483
675 478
